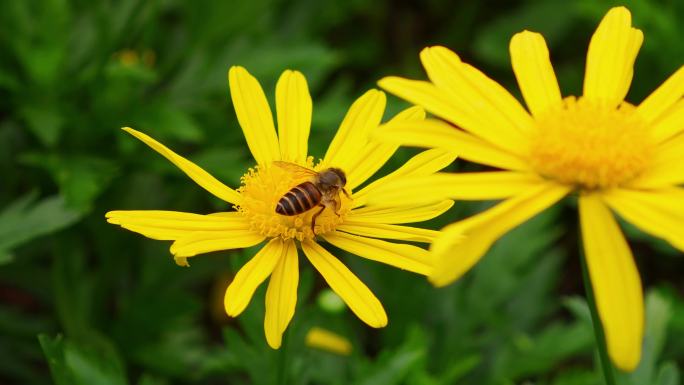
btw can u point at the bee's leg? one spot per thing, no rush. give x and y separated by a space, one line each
346 193
313 218
338 205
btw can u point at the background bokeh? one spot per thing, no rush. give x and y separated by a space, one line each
83 302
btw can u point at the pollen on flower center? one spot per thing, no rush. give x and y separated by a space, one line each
589 145
262 188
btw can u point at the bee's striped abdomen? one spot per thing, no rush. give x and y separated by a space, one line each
301 198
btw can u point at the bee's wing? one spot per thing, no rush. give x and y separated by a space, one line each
297 170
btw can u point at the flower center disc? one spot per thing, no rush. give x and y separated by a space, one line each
589 145
263 187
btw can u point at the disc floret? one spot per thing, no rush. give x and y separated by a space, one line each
261 189
589 145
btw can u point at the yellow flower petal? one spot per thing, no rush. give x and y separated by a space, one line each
666 169
403 256
437 134
326 340
254 115
293 107
400 214
343 282
659 212
250 276
463 243
205 242
281 295
363 117
459 186
375 154
610 59
491 112
443 105
532 67
408 114
171 225
616 282
660 176
425 163
663 97
669 124
388 231
424 94
196 173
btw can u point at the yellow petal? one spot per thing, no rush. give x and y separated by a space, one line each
343 282
250 276
281 295
326 340
375 154
669 124
610 59
400 214
669 151
660 176
463 243
425 163
444 105
171 225
492 113
388 231
424 94
663 97
459 186
666 168
659 212
293 107
437 134
196 173
399 255
254 115
532 67
408 114
616 282
206 242
362 118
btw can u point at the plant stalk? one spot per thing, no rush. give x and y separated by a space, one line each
281 373
599 334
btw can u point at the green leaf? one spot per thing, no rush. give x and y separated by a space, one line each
539 353
45 122
23 220
668 374
81 178
82 364
491 43
577 377
53 348
393 366
658 315
164 121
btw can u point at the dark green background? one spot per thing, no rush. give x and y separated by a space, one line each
83 302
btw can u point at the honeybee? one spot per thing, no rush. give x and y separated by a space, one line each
323 190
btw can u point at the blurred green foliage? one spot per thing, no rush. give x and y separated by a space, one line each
86 303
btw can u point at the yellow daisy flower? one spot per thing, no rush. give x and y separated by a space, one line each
352 225
616 156
324 339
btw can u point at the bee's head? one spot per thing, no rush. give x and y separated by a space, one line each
332 178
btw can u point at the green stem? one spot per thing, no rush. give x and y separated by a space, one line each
282 361
596 321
